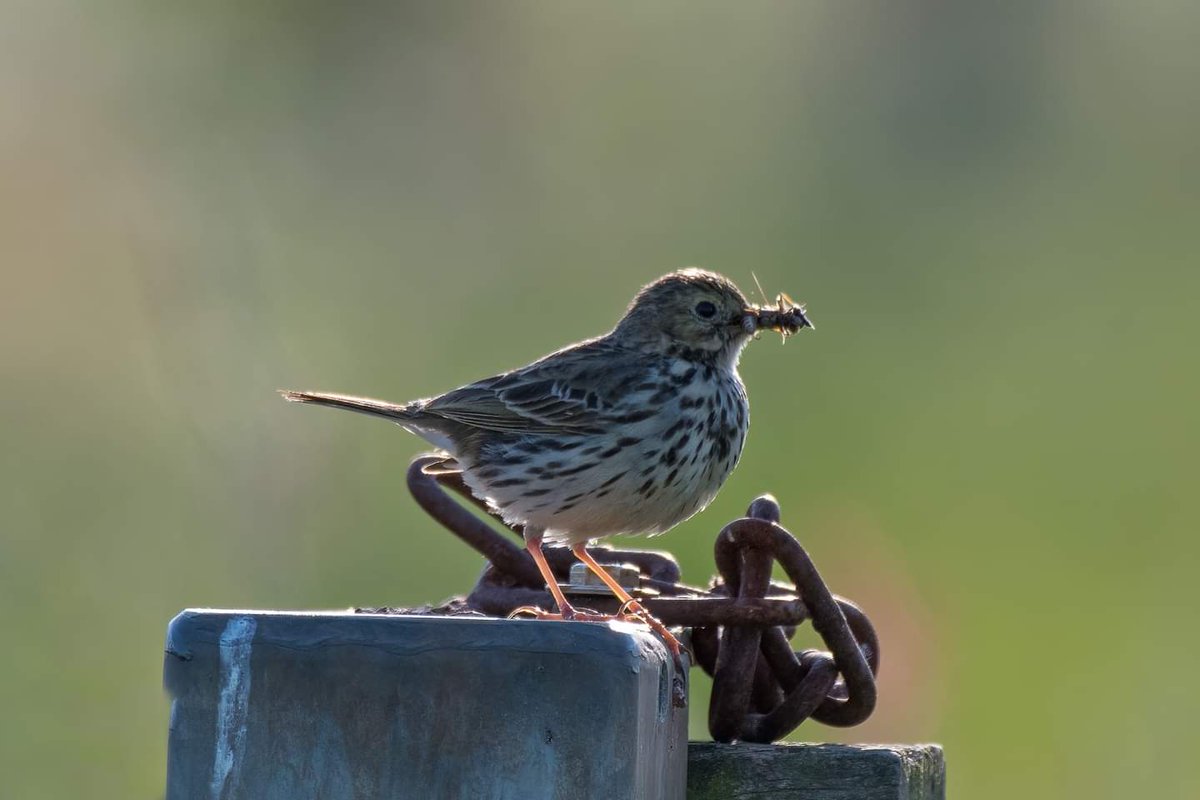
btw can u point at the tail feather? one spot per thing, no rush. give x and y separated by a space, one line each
362 405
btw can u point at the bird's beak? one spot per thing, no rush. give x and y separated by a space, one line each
747 321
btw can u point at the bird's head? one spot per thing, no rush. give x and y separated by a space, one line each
700 315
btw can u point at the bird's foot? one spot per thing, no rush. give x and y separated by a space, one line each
570 613
634 611
533 612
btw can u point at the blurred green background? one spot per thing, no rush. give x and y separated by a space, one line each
989 442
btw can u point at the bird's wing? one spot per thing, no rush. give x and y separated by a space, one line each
571 391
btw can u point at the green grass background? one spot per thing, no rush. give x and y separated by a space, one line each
990 441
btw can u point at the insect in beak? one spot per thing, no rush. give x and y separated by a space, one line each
787 317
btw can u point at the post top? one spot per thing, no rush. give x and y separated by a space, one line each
206 627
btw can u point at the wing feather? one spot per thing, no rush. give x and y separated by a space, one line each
571 391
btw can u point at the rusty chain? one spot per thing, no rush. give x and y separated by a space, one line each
740 627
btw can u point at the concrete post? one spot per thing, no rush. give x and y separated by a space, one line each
280 706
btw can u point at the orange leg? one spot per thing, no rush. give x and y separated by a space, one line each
628 602
534 545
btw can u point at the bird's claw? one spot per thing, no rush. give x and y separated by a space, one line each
633 611
533 612
570 614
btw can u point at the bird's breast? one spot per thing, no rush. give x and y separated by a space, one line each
658 458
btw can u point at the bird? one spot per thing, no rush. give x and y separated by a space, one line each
633 431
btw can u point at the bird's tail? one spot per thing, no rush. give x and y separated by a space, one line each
363 405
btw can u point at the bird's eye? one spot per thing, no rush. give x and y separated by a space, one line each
706 309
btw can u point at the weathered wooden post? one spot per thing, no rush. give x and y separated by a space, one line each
815 772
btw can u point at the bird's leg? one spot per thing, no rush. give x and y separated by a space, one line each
533 543
629 604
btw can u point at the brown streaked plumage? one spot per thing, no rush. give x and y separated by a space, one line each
631 432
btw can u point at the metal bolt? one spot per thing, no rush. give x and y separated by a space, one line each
584 581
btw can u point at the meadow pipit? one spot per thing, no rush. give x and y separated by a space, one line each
632 432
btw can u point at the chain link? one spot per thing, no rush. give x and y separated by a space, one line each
740 627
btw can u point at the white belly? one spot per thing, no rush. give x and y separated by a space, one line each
642 479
